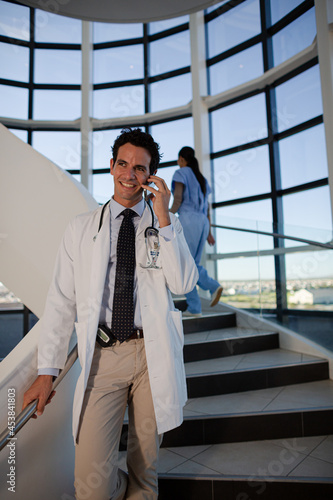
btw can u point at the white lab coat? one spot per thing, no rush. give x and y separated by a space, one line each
75 297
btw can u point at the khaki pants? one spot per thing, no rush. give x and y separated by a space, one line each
118 377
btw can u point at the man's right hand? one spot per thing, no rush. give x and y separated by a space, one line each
41 389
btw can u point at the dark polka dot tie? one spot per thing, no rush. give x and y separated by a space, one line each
123 304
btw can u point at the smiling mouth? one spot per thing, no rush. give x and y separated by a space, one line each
127 185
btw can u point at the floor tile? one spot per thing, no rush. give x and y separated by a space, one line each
169 460
324 450
313 467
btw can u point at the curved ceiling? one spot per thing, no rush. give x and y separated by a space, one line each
117 11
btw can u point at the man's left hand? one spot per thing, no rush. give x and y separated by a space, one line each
160 198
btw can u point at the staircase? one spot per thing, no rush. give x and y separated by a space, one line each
258 422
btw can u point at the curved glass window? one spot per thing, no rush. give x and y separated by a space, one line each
158 26
14 21
172 136
14 102
281 8
102 187
170 53
57 66
295 37
253 215
119 101
235 70
240 123
234 27
112 32
118 64
102 143
52 28
57 104
170 93
310 208
303 157
14 62
242 174
298 99
63 148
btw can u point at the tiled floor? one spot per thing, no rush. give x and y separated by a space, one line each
273 357
296 457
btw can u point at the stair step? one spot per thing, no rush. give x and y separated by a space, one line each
207 430
228 342
252 371
190 487
209 322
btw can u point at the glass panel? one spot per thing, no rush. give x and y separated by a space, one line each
233 27
242 174
118 64
119 101
240 123
14 21
249 283
294 37
170 53
298 99
170 93
303 157
282 8
21 134
52 28
158 26
236 70
310 280
167 173
63 148
14 102
254 215
111 32
216 6
57 104
102 147
310 212
14 62
102 187
57 66
172 136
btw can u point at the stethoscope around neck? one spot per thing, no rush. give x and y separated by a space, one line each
151 237
148 229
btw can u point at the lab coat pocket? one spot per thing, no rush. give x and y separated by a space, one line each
177 331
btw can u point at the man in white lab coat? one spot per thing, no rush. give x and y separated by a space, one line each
146 371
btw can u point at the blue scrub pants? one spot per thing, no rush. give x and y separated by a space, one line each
196 229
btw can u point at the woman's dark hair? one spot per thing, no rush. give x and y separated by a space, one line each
141 139
188 154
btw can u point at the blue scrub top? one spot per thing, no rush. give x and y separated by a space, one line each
193 197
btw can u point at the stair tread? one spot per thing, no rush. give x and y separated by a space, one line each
250 361
309 395
231 333
306 457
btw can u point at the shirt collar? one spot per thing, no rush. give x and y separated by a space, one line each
116 208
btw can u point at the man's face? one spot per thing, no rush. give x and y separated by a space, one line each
130 170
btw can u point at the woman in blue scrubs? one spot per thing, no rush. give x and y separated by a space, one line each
190 190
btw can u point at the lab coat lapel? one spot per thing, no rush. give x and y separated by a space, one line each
99 264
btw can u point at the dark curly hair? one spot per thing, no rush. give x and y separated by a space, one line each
141 139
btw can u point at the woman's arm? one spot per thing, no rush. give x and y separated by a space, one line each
210 237
177 197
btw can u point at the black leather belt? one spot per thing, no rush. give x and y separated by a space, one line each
105 337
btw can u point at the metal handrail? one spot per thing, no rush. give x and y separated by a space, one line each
27 413
277 235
